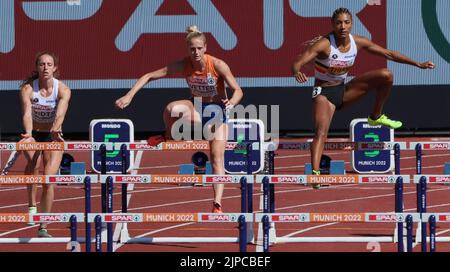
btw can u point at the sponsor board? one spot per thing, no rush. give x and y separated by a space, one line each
176 179
66 179
22 179
332 179
53 146
170 217
14 217
336 217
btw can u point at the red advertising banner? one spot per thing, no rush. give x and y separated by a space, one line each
122 40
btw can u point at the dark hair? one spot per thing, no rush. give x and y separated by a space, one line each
341 11
34 74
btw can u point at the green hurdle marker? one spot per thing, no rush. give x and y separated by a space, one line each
240 149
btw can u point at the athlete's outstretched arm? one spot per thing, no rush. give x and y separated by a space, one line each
318 48
373 48
170 69
225 71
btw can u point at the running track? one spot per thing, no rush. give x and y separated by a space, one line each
289 198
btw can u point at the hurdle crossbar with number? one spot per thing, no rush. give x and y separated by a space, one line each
267 218
241 218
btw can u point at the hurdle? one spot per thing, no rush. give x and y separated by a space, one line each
397 180
72 218
267 218
432 219
86 180
246 181
396 147
240 218
422 181
243 180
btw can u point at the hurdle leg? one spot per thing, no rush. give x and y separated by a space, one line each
109 186
266 228
242 234
98 233
87 211
432 221
73 234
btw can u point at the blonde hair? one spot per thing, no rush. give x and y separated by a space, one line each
194 32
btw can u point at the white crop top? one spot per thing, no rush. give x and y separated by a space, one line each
337 65
43 109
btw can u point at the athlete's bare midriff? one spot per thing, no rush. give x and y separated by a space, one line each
208 99
42 126
323 83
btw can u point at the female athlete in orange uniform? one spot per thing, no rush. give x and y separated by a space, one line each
205 76
334 55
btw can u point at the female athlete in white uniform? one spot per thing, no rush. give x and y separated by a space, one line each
334 55
44 102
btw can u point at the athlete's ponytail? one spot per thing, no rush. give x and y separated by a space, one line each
194 32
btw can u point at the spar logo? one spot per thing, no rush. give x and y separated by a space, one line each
122 218
436 146
287 179
224 179
300 146
289 218
375 145
219 217
444 217
144 146
386 217
86 146
439 179
66 179
380 179
51 218
7 146
132 179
